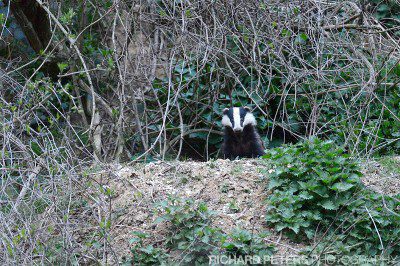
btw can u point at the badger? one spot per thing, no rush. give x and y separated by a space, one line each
241 138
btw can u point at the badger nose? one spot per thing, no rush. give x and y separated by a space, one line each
237 129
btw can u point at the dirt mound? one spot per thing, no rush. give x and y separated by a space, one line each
233 189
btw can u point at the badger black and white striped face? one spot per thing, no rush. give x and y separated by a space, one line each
237 118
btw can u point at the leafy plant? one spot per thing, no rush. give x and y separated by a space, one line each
316 188
190 224
310 182
191 235
242 243
145 254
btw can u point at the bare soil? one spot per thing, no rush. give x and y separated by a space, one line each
380 179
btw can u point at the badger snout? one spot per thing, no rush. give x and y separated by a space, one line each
238 130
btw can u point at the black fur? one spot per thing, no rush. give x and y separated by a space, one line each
246 143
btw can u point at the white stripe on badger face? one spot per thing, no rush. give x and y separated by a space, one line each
236 119
226 122
249 119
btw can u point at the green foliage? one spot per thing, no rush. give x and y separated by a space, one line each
244 243
316 189
145 254
370 219
68 16
190 232
376 126
201 99
191 224
310 182
2 20
62 66
388 12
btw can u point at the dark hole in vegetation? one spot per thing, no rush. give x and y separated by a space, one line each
199 150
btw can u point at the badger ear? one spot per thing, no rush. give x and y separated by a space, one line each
225 111
247 108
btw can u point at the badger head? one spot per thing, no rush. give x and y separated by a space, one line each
237 118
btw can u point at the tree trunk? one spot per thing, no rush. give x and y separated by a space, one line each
33 21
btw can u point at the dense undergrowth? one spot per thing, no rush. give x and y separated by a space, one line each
316 194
